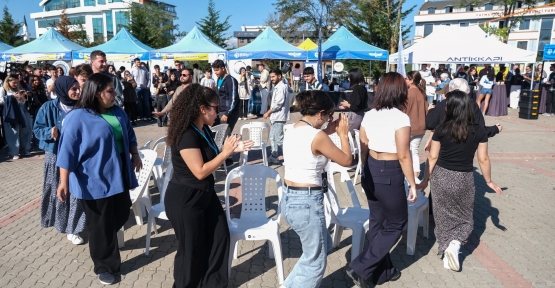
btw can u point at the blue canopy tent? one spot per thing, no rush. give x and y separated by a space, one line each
194 46
49 46
4 46
268 45
344 45
123 47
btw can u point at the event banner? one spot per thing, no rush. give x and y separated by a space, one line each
180 56
36 57
112 57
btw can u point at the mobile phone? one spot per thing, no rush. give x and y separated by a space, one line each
22 92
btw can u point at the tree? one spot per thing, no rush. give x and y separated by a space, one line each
10 29
212 27
73 31
378 23
152 25
510 19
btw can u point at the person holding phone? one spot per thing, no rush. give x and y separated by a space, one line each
161 100
385 143
16 118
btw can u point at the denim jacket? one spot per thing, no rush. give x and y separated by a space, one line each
87 148
49 115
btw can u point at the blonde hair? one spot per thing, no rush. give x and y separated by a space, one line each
7 84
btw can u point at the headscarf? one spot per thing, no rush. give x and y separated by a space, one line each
62 86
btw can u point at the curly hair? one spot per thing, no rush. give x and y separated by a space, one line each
186 110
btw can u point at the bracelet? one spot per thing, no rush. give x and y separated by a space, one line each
489 182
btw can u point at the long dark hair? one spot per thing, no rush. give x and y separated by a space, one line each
314 101
355 77
418 81
186 110
37 89
392 92
95 84
459 115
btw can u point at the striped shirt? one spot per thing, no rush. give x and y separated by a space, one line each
315 86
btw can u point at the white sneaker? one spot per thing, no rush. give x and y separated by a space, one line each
445 262
273 160
15 157
75 239
452 255
546 114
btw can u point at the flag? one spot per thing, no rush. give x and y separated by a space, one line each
25 29
400 62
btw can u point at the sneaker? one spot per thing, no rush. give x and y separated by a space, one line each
395 276
26 154
15 157
452 254
75 239
445 262
107 278
251 116
357 279
546 114
273 160
552 114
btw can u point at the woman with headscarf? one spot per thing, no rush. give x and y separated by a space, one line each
67 217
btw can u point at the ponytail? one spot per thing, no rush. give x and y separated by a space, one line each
418 81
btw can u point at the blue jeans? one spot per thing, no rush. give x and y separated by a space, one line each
18 137
143 103
303 210
276 137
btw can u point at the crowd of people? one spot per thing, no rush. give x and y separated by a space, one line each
84 123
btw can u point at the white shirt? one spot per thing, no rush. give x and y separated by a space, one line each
380 127
208 82
53 93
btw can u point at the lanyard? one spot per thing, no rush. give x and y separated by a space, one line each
211 143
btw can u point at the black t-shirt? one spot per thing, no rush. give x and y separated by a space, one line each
359 99
182 174
459 156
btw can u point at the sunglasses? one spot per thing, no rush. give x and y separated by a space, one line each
185 75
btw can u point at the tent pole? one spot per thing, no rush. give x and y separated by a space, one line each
332 69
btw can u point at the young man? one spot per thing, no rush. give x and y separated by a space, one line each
264 87
143 90
197 74
550 95
50 82
185 79
311 81
82 72
207 81
227 89
158 74
278 113
99 65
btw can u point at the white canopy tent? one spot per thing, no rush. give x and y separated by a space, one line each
453 44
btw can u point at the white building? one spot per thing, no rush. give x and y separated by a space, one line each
532 34
102 19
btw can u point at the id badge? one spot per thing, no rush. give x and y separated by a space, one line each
324 182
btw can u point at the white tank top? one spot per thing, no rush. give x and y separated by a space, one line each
301 166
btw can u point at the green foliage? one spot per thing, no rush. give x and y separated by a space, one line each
202 65
213 27
10 29
74 32
152 25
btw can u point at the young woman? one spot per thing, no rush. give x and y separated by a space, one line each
112 70
473 82
161 100
306 151
16 118
385 137
358 103
487 83
416 108
192 206
453 147
244 93
96 134
130 96
67 217
296 73
60 71
171 86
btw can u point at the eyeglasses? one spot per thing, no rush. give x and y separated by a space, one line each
185 75
216 108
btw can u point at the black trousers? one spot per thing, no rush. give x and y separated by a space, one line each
104 218
387 202
161 102
231 120
2 133
203 237
244 108
131 110
550 101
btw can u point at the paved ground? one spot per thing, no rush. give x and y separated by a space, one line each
511 246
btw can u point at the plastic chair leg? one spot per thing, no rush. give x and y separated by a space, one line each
138 211
270 250
357 242
235 252
264 154
412 228
337 235
357 172
426 218
148 227
232 247
121 239
276 244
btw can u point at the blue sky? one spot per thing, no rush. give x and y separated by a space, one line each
190 11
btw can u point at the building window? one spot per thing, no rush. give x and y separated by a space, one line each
77 20
469 8
109 25
545 34
463 24
489 6
101 2
446 24
61 4
449 9
249 40
98 30
90 2
48 23
121 20
432 10
428 29
501 24
524 24
242 40
522 45
518 4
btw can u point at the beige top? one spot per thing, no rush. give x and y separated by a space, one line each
175 95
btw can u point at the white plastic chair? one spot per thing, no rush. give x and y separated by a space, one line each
256 131
254 224
158 210
219 138
419 215
146 146
354 217
161 163
358 171
140 196
337 141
